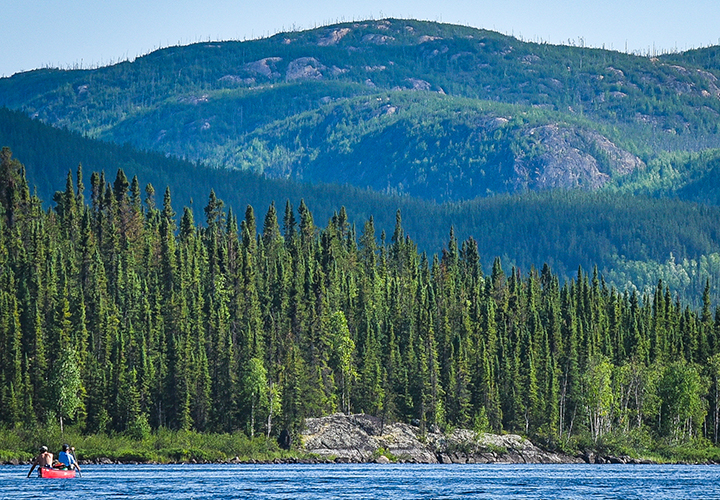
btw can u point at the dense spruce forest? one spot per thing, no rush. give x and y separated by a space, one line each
635 233
118 314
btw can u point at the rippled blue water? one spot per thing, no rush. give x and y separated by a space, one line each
181 482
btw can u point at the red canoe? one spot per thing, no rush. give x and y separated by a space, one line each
56 473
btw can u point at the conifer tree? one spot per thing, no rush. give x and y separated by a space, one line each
115 319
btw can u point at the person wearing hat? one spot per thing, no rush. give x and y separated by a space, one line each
66 458
44 459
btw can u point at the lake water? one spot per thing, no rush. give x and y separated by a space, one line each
180 482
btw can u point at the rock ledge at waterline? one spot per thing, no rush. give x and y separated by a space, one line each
363 438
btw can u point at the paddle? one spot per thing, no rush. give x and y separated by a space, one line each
77 465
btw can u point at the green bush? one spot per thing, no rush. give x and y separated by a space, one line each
190 454
142 456
696 451
491 448
634 443
7 455
385 453
161 446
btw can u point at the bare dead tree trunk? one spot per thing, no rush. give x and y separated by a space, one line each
561 407
252 417
269 420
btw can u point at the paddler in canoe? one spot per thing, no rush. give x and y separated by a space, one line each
67 459
44 459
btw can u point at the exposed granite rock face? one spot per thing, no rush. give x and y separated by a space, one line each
572 158
266 67
363 438
304 68
333 37
356 438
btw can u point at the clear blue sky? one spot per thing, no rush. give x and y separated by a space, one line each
64 33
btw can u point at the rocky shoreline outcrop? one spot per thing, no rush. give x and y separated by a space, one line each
364 438
361 438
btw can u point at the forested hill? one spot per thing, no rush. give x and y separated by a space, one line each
433 110
633 240
114 318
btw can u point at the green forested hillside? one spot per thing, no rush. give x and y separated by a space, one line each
415 104
633 240
432 146
685 175
115 318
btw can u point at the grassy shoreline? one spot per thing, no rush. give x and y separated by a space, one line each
19 445
161 446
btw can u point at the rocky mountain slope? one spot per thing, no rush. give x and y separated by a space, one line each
432 110
436 147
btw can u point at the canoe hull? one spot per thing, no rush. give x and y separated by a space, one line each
57 473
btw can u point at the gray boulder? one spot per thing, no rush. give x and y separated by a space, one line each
364 438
